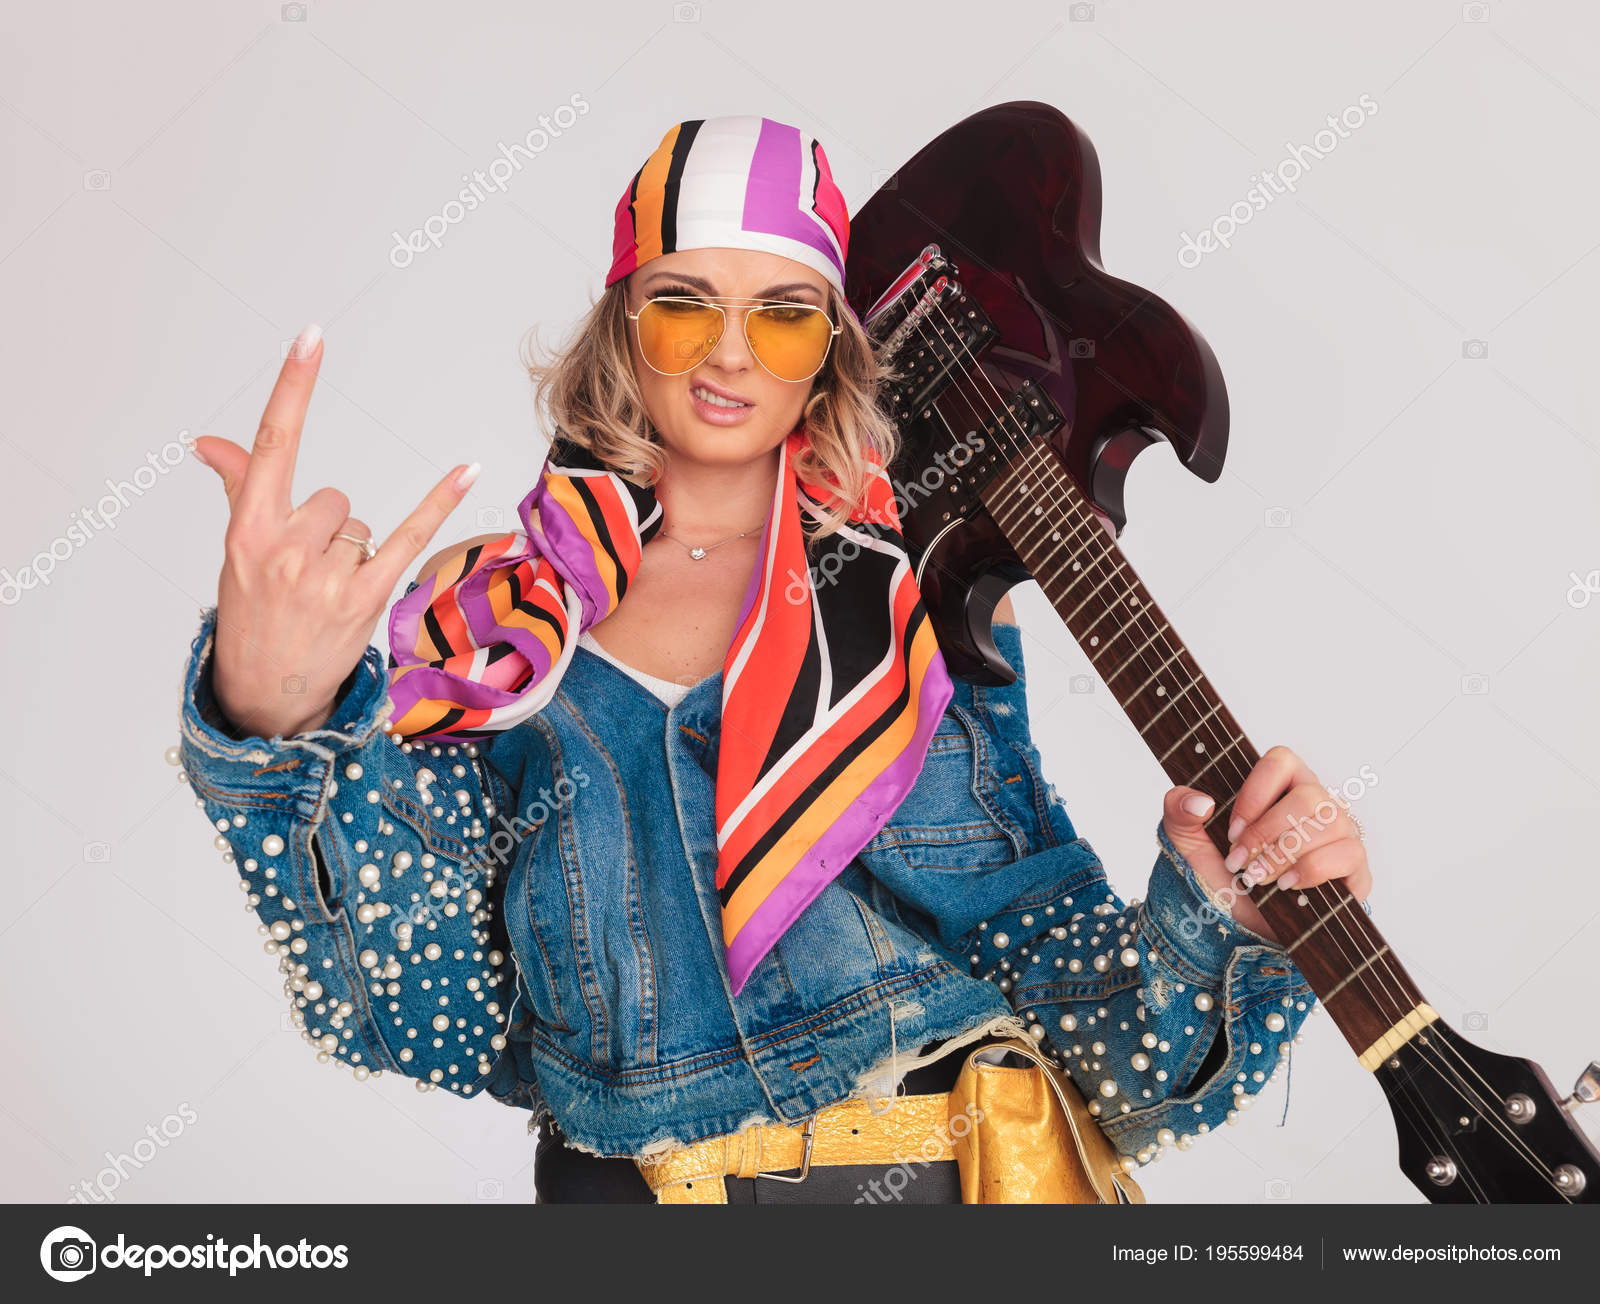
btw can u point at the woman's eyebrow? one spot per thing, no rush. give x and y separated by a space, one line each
705 287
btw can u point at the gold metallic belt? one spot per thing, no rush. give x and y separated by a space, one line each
913 1129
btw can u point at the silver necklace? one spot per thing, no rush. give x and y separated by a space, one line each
698 553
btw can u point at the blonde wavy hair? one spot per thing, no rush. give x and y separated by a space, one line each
586 391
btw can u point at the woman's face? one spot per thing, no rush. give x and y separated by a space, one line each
689 426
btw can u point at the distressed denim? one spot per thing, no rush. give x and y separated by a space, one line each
535 917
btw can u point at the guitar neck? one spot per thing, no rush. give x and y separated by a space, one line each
1194 736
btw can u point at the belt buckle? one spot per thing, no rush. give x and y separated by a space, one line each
809 1134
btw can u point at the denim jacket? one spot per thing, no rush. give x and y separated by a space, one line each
534 916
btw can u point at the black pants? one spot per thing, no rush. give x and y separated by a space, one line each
562 1175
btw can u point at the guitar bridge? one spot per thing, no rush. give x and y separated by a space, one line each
928 331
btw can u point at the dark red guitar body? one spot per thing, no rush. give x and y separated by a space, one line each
1012 196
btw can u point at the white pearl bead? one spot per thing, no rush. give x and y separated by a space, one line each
1274 1022
272 844
1140 1061
353 770
1069 1022
1108 1087
1130 957
1001 940
1166 1137
173 756
369 875
1202 1001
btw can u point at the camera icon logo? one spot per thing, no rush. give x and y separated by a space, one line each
1277 1189
1080 348
1477 350
96 853
68 1254
1475 1021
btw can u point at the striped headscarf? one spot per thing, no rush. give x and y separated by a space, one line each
833 683
735 183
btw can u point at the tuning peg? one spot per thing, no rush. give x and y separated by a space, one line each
1587 1090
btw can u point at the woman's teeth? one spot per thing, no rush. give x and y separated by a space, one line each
716 400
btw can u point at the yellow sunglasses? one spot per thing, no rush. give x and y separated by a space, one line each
677 333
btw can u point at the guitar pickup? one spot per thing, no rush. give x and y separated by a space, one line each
1029 414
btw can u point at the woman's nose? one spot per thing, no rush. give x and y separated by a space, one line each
732 351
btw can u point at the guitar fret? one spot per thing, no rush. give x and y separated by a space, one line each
1169 660
1192 728
1171 699
1190 781
1356 972
1290 946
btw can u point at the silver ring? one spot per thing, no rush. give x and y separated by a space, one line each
368 549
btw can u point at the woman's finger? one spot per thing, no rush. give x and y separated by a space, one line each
264 495
1278 770
411 536
227 459
1305 817
1342 857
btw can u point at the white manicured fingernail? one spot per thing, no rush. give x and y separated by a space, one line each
1196 804
1287 881
1236 828
467 474
305 343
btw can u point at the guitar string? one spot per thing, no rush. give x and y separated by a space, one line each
1031 453
1461 1087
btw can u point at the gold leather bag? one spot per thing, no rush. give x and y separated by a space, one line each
1023 1135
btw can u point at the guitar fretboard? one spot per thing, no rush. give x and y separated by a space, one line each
1189 730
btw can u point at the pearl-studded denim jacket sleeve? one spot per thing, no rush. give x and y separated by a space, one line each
1168 1014
361 858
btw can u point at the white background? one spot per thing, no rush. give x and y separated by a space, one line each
254 171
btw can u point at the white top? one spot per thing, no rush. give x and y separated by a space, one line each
667 690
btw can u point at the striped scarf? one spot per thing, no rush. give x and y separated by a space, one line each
832 686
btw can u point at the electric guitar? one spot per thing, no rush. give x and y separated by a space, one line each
1029 379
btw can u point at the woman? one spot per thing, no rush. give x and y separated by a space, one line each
734 861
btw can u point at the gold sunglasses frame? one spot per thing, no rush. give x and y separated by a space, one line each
744 325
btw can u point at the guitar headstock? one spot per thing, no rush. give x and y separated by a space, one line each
1478 1127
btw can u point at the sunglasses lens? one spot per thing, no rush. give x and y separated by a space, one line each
675 334
790 340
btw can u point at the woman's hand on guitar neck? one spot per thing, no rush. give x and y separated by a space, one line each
1285 826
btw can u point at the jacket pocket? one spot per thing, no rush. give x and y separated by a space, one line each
954 816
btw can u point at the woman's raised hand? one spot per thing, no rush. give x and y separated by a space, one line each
296 605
